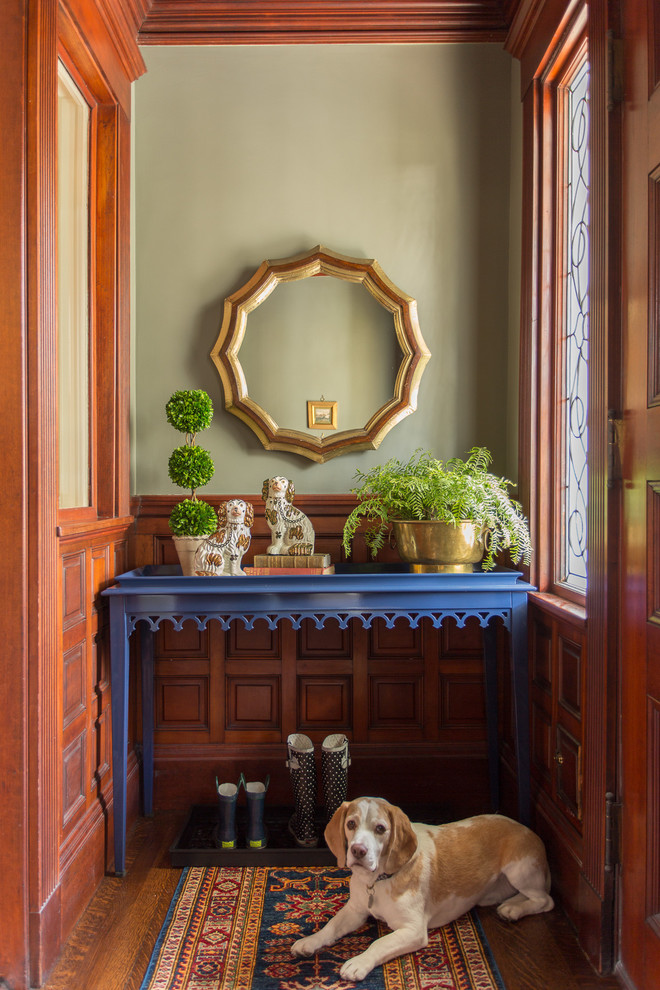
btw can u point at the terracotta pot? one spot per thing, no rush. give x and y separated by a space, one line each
186 548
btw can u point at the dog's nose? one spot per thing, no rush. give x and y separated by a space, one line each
358 850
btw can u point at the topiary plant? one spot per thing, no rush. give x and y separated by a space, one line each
190 466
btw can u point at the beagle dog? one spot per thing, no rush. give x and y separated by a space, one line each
415 877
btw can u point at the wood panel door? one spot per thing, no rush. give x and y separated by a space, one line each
640 649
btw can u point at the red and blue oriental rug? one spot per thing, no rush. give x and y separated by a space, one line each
231 928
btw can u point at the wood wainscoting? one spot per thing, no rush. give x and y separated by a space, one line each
411 701
89 558
557 641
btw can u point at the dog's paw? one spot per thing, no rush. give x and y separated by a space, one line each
304 946
510 912
355 969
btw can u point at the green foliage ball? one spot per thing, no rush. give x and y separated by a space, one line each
189 411
192 517
190 467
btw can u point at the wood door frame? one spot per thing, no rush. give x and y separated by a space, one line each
30 810
638 676
537 31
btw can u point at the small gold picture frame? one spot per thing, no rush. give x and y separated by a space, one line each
321 415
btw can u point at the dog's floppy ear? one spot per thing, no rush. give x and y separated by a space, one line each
290 491
249 514
264 488
335 834
403 841
222 514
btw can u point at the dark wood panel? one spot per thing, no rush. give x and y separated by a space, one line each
325 702
188 642
74 682
330 642
260 641
100 564
541 653
569 693
101 749
541 735
461 641
568 761
182 702
400 641
101 661
73 590
396 701
654 288
653 838
653 550
654 46
253 702
463 700
74 788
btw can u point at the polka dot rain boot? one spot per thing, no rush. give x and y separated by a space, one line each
302 767
335 761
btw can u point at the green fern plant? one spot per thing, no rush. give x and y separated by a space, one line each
452 491
190 466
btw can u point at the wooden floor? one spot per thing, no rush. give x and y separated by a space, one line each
111 945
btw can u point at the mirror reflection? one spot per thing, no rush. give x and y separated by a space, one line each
316 338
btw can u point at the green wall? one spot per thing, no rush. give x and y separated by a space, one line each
406 154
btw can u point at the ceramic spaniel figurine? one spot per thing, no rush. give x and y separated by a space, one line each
291 531
221 554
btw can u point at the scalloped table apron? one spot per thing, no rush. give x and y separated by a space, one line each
149 595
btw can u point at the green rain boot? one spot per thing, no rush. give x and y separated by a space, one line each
255 792
227 797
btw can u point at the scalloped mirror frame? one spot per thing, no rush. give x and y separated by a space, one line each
320 261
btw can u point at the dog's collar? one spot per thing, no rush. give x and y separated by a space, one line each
370 887
383 876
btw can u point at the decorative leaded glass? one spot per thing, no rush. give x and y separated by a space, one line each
576 330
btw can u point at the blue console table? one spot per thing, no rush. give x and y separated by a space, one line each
149 595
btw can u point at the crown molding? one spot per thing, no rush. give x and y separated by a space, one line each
253 22
122 19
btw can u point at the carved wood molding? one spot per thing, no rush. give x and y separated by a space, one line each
235 22
110 29
123 19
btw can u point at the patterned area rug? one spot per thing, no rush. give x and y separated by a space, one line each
231 928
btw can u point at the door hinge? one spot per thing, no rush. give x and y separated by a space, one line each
613 812
614 437
614 70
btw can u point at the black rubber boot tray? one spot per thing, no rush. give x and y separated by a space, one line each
197 845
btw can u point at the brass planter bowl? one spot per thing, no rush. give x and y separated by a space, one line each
432 545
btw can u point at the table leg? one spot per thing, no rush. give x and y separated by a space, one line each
147 661
119 670
492 727
520 687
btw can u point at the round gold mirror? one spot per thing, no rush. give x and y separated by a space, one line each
333 363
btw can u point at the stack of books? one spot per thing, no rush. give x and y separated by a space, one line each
315 563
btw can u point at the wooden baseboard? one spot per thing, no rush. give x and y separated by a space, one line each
402 775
